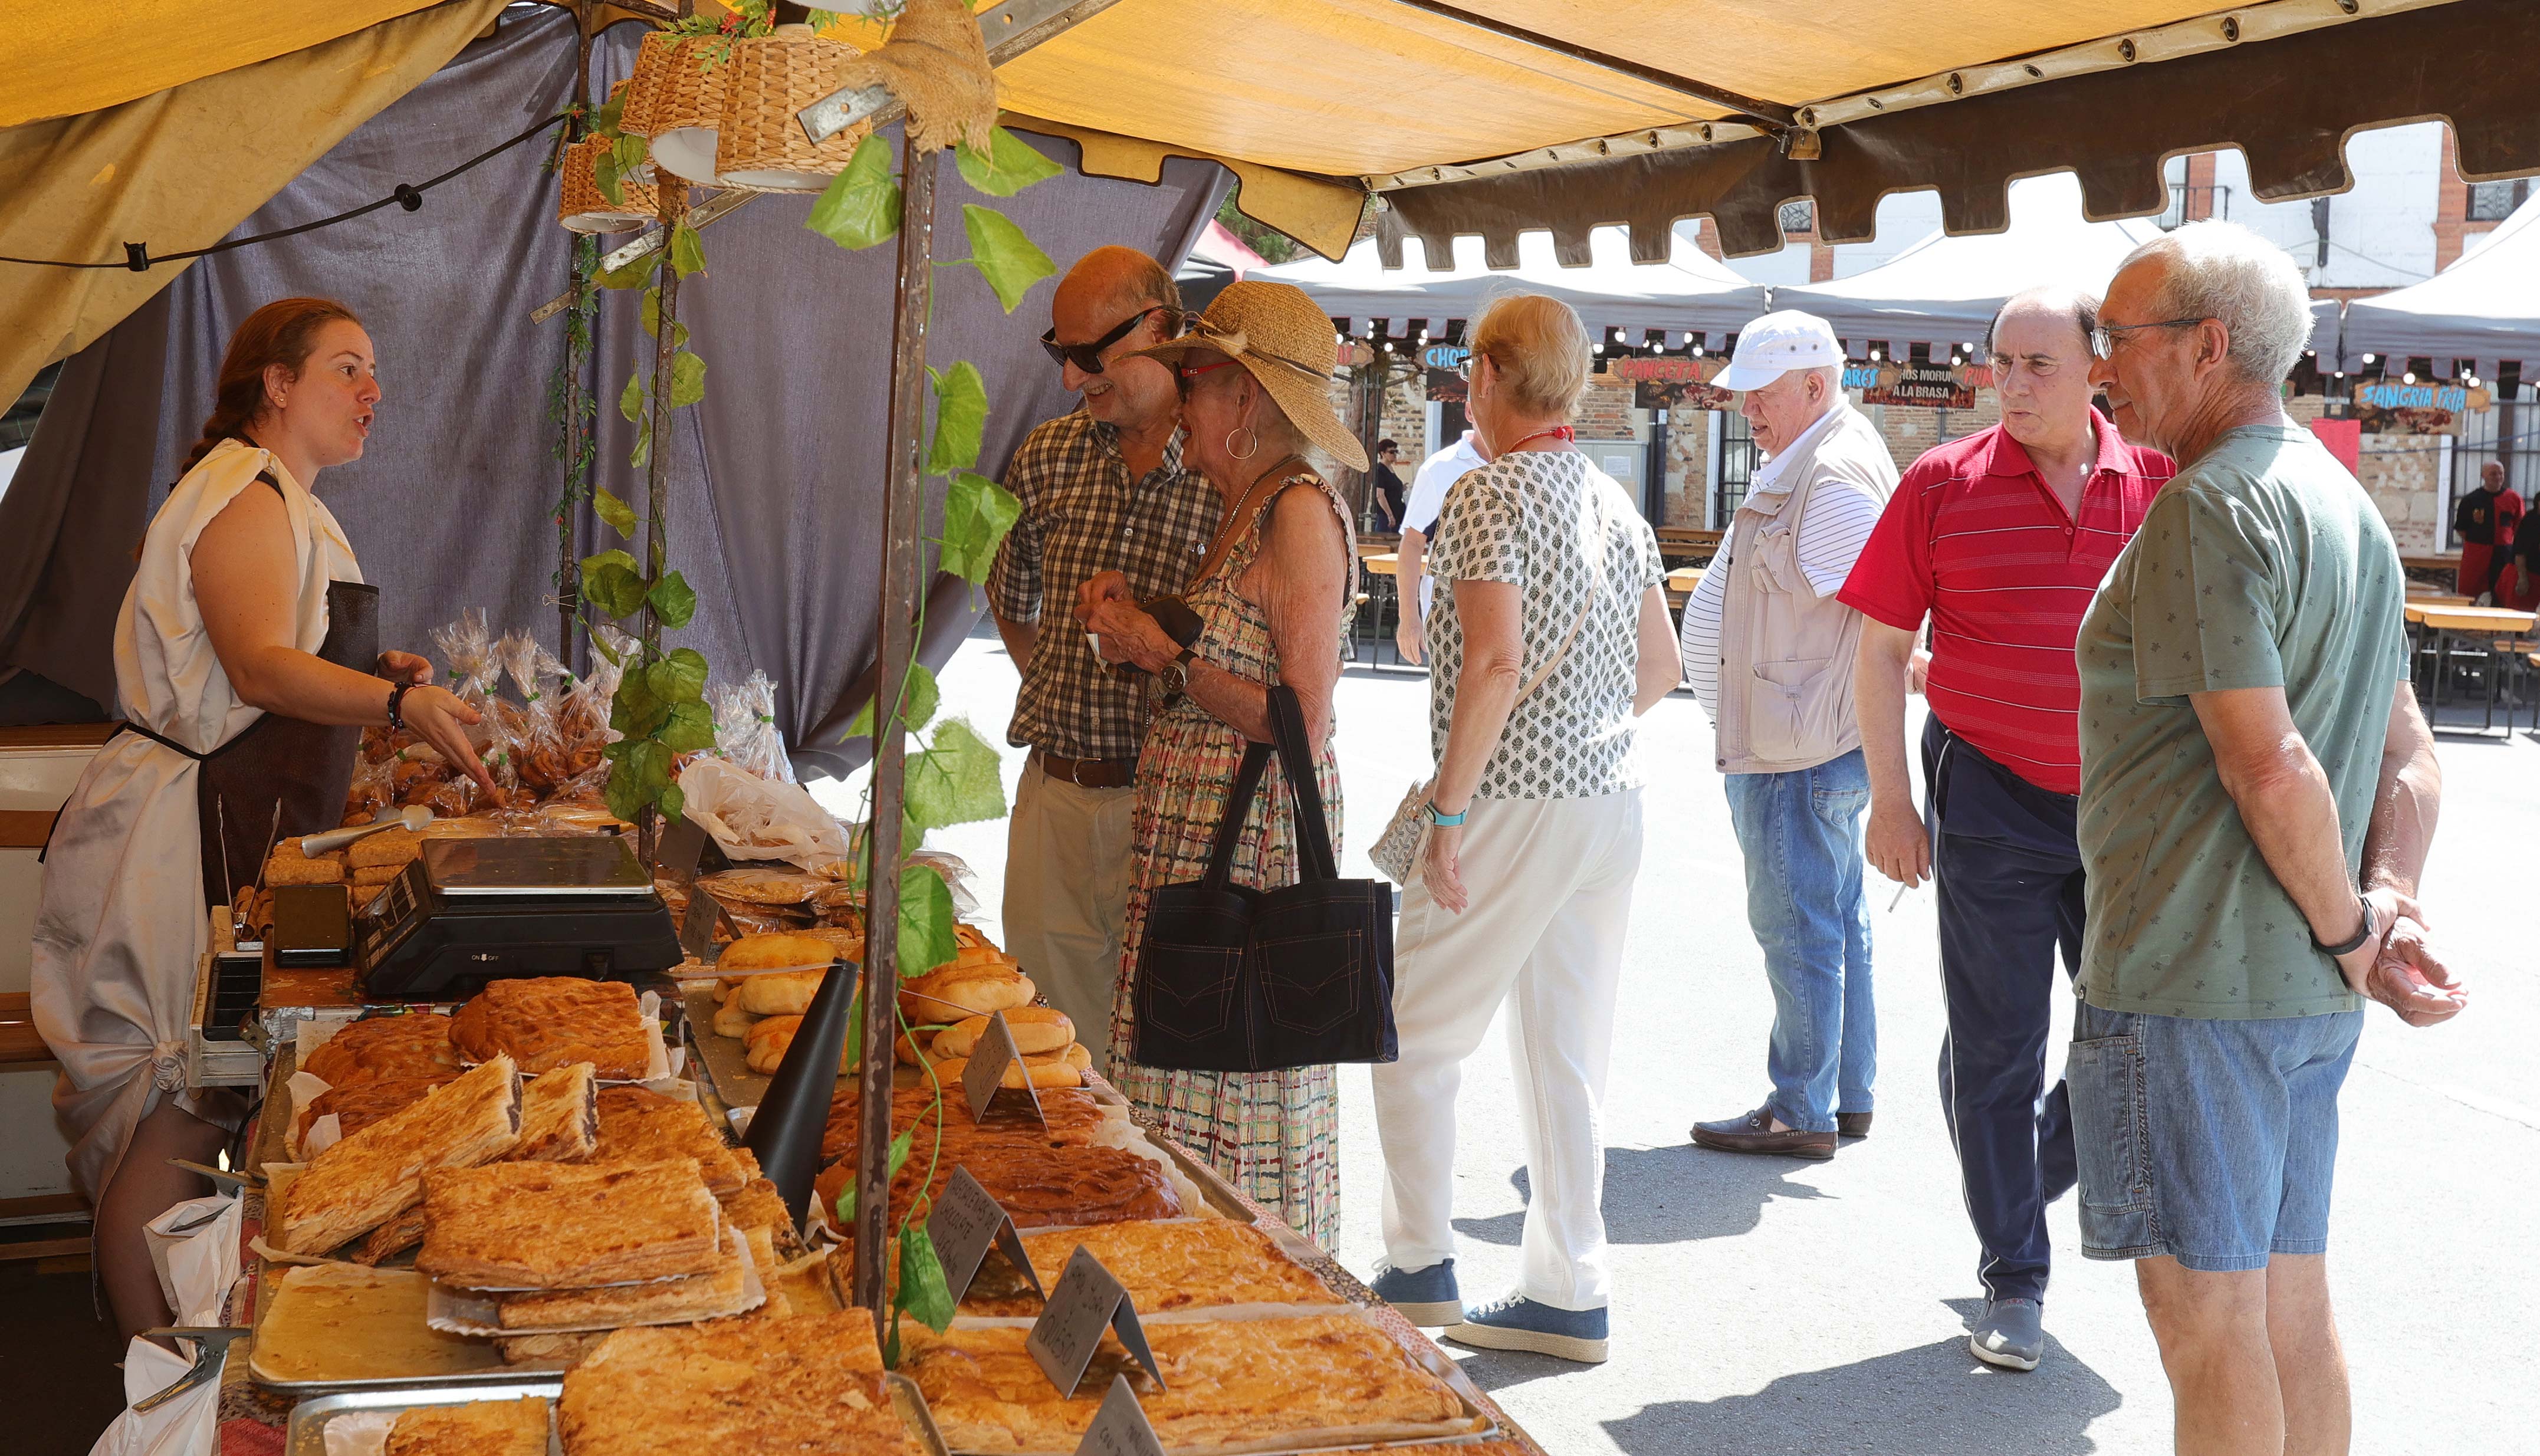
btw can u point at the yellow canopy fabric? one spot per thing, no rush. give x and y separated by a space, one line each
180 168
87 57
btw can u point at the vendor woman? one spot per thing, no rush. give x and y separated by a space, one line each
246 663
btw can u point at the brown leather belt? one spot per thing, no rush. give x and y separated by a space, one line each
1087 773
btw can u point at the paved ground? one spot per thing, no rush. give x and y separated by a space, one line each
1769 1305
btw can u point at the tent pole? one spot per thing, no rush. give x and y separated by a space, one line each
568 567
902 512
657 474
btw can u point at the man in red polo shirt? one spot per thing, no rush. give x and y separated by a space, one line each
2000 539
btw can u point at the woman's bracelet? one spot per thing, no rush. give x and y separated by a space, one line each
397 706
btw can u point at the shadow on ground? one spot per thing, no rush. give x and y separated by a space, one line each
1671 1196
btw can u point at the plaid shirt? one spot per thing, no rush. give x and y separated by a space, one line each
1083 515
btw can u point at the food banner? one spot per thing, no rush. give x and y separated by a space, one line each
2392 407
1446 385
1673 383
1925 386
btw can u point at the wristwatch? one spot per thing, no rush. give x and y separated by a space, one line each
2353 943
1177 674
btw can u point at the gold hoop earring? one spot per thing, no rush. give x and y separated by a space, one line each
1248 450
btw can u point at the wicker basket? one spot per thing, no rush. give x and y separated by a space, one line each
689 108
643 84
760 143
583 209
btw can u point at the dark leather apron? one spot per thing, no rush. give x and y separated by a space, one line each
307 768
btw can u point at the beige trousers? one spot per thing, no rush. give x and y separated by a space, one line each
1068 860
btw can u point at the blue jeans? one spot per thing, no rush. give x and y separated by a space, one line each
1801 833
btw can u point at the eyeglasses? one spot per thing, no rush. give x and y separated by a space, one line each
2103 338
1464 371
1089 357
1187 373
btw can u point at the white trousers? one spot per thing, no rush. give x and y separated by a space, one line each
1068 860
1550 885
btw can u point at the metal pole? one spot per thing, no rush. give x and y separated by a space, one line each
568 578
657 475
902 512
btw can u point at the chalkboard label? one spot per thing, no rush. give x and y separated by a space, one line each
1120 1427
1086 1301
985 1076
968 1223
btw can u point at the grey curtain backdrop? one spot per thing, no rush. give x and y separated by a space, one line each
776 478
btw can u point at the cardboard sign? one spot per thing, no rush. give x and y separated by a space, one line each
985 1076
1120 1427
967 1222
1088 1302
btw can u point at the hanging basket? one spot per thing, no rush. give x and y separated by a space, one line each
584 209
689 108
644 84
760 143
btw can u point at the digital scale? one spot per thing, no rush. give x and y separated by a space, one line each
475 910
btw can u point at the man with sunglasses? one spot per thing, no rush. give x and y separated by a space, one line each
1103 489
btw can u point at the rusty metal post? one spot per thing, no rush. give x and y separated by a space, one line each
903 512
656 472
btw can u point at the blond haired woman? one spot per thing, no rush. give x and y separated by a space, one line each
1525 888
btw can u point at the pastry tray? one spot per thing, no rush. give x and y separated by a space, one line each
464 1385
307 1433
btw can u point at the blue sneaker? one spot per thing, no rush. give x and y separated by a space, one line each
1520 1323
1425 1296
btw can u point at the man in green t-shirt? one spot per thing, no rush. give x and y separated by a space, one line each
2258 792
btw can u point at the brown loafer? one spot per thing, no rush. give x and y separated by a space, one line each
1753 1132
1852 1124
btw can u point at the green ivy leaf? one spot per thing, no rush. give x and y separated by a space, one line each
687 379
619 516
957 780
1010 261
926 939
960 419
922 696
603 176
609 583
634 275
628 152
977 514
674 801
923 1291
861 205
679 677
630 400
690 730
643 451
638 711
1008 166
637 779
610 115
687 252
653 319
672 598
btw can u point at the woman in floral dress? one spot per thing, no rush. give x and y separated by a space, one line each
1270 598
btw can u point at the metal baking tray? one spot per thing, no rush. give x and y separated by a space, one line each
307 1433
493 1377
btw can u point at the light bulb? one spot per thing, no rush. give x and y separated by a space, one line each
1874 356
2367 359
2409 377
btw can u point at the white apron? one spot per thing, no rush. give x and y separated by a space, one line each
122 925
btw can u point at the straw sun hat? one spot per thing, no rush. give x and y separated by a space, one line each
1278 335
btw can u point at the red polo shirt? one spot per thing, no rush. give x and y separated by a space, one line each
1976 538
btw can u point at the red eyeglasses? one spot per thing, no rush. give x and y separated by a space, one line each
1190 372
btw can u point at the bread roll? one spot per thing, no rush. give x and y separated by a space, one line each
732 1021
1035 1028
770 1039
776 951
778 993
391 847
981 957
1044 1074
951 992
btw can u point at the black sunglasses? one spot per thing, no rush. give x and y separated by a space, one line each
1089 357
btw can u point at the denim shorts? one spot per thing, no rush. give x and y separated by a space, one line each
2212 1142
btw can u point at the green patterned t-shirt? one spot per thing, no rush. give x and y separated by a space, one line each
2261 564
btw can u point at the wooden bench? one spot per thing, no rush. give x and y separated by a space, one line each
1685 543
19 1045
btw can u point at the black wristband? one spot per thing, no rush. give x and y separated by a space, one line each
397 706
2353 943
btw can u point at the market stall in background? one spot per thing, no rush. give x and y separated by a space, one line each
644 1101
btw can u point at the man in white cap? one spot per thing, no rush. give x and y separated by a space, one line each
1768 648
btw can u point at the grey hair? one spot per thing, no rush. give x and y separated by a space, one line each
2225 272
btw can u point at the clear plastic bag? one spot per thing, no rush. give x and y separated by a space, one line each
746 728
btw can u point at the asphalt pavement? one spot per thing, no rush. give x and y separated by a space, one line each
1777 1305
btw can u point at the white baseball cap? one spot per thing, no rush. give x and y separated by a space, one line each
1777 343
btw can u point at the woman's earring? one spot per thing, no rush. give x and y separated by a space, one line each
1252 445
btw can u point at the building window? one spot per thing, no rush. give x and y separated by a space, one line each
2494 202
2191 203
1798 217
1736 465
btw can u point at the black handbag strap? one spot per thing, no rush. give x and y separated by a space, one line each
1297 761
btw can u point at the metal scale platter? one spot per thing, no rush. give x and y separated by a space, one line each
477 910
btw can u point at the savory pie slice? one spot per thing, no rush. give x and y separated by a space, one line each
357 1105
545 1022
1040 1187
568 1226
378 1047
810 1386
657 1302
476 1428
1195 1263
640 1126
1324 1380
378 1172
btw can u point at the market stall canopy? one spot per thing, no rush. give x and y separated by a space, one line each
1690 292
2484 308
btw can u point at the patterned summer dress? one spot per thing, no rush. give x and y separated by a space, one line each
1274 1134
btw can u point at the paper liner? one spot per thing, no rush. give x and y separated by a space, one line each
464 1312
